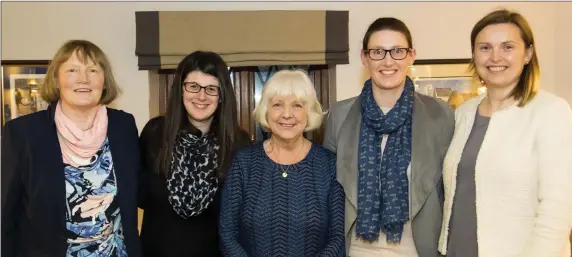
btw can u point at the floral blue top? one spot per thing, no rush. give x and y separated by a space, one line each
93 220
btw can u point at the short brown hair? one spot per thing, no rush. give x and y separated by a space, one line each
86 51
387 23
527 85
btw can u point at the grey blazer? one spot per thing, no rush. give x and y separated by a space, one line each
432 129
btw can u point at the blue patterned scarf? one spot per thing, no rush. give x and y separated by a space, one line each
383 188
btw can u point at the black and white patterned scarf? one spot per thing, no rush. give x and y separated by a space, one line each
193 182
383 196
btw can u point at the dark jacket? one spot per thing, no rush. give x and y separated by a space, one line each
164 232
33 184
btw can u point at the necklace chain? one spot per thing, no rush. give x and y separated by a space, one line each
287 169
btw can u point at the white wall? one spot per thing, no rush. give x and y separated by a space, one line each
563 51
34 30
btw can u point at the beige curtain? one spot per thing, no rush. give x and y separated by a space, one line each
242 38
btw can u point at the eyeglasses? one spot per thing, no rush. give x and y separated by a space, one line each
193 87
379 54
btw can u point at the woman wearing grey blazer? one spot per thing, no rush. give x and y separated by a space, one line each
390 144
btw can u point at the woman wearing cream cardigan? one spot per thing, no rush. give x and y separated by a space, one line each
507 170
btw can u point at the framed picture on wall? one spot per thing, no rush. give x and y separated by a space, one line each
20 88
447 79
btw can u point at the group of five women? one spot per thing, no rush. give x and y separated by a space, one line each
399 173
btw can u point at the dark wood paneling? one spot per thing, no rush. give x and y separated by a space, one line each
243 79
320 76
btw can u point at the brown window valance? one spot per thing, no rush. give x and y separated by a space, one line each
242 38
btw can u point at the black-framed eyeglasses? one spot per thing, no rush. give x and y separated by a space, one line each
193 87
396 53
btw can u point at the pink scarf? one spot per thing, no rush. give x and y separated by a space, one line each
78 146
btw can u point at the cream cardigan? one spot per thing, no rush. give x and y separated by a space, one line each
522 175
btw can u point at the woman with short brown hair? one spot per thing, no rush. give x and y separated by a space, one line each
87 51
69 173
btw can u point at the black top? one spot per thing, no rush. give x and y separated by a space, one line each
164 233
33 184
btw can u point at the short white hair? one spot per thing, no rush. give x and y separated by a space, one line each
290 83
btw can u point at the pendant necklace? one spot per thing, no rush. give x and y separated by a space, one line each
285 170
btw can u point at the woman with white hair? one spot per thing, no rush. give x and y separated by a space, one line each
281 197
